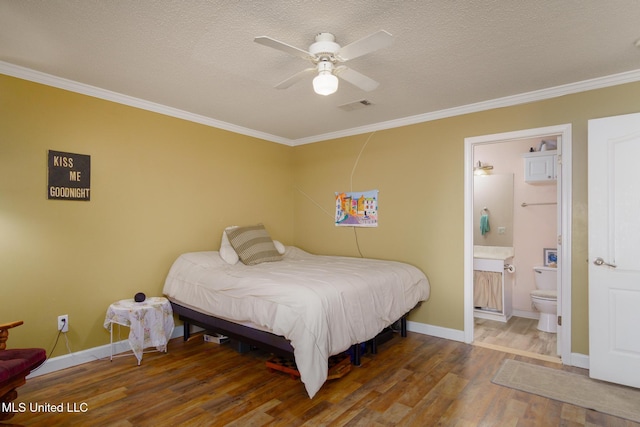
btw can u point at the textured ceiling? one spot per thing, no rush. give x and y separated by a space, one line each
199 56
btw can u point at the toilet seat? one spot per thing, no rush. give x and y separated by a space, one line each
545 295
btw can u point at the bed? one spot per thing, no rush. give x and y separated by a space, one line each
320 305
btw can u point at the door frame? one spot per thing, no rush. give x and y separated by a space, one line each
564 186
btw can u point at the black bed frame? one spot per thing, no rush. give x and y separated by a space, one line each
279 345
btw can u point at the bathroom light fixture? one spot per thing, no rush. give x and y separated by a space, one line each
325 83
482 169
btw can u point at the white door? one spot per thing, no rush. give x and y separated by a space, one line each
614 249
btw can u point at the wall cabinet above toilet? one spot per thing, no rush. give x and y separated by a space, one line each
540 167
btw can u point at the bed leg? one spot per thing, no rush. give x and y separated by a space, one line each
356 354
403 327
187 331
374 346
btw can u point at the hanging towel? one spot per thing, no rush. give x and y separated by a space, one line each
484 224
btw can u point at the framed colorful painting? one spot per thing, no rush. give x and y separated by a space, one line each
357 209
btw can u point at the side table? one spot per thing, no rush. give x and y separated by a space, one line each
150 323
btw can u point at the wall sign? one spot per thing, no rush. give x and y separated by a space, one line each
69 176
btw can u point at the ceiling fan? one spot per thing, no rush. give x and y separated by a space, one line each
325 54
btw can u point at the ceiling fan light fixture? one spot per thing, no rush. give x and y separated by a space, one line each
325 54
325 83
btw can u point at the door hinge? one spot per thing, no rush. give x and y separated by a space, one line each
560 239
559 320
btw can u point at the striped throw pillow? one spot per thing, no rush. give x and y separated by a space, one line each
253 244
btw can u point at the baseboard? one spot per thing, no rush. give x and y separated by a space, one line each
96 353
579 360
436 331
526 314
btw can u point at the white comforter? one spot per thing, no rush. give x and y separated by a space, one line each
321 304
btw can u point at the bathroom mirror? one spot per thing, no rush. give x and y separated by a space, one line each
493 196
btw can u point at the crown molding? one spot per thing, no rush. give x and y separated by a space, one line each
523 98
507 101
96 92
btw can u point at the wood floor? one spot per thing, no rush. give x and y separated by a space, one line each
518 333
414 381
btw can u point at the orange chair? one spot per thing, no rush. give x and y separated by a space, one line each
15 365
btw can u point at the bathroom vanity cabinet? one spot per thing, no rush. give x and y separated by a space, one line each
497 266
540 167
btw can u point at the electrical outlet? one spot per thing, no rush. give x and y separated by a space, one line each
63 322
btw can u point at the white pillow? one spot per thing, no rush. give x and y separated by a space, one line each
279 247
227 253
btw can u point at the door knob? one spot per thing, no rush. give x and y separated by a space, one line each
599 261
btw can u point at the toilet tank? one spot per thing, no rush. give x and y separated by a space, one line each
546 278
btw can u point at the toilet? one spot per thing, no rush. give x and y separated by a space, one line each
545 297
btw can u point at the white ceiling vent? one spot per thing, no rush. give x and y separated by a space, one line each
356 105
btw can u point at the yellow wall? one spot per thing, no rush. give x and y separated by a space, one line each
419 170
160 186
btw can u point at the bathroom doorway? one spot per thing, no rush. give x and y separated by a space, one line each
478 158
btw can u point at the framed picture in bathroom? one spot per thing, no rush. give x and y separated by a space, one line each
550 257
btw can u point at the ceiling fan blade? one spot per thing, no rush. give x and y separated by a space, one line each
275 44
294 79
365 45
357 79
